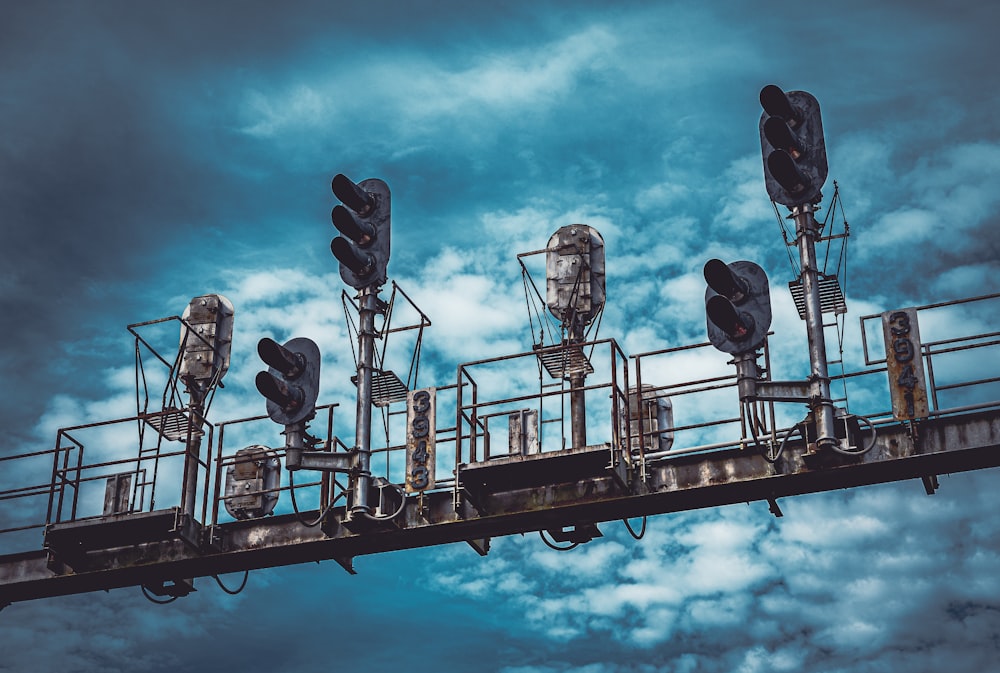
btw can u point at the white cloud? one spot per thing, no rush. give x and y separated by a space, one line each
851 570
409 92
525 78
950 198
965 281
746 208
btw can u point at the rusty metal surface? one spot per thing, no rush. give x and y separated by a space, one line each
907 383
574 271
421 440
688 481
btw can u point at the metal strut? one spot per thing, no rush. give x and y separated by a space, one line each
821 404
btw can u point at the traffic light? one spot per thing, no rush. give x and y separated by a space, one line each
791 141
738 306
206 339
574 272
363 221
291 385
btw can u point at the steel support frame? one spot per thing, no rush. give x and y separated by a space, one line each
577 395
361 480
807 230
697 480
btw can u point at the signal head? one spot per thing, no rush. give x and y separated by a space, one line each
364 222
291 384
792 145
737 306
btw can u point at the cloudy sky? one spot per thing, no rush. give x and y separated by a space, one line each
151 152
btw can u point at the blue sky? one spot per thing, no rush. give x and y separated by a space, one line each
152 152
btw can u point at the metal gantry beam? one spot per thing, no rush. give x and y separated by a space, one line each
495 504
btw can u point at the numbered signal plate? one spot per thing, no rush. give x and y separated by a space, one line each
904 363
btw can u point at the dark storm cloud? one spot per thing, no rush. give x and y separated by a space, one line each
106 112
120 159
89 179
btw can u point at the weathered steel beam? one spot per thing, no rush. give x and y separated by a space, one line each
674 483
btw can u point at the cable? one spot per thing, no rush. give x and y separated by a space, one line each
295 505
642 530
829 219
596 329
544 318
552 545
845 452
784 440
351 327
867 448
149 597
784 237
233 592
399 510
747 413
414 371
529 305
384 332
385 426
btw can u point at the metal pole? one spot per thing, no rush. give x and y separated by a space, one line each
367 308
807 231
189 487
577 395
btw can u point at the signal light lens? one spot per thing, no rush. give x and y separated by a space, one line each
781 137
786 173
355 260
275 355
721 279
776 104
287 397
351 195
361 233
725 316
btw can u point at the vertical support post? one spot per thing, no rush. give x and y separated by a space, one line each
574 293
577 395
821 405
578 410
326 482
368 307
747 375
192 452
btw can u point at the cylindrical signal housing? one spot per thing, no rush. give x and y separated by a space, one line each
206 338
792 146
364 222
574 272
737 306
291 384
